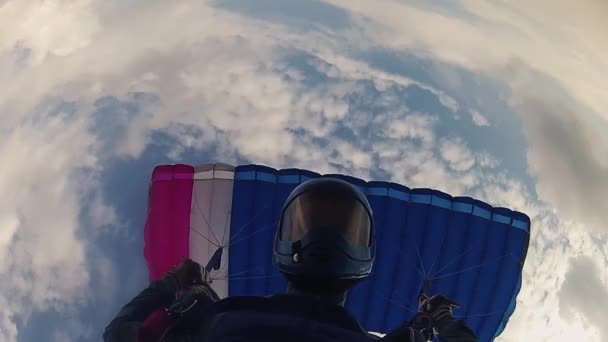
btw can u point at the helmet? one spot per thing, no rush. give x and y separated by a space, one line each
325 234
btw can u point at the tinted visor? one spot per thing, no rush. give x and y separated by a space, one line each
337 210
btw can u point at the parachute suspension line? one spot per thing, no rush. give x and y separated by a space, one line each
404 301
421 263
198 208
421 271
238 273
425 277
224 243
428 278
245 237
457 258
416 268
392 300
242 228
426 286
228 241
204 237
242 275
445 234
228 214
210 211
472 267
232 243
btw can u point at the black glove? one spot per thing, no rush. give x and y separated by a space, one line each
185 275
439 306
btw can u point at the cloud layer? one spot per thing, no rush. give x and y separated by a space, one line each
584 293
550 58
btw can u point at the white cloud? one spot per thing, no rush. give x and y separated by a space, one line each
7 320
543 34
43 264
479 119
448 101
584 293
413 126
457 154
9 224
543 312
500 190
486 160
550 60
50 28
567 149
101 214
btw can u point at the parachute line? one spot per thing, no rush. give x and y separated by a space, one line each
228 213
421 263
243 238
392 300
441 247
228 276
204 237
242 228
472 267
457 258
197 205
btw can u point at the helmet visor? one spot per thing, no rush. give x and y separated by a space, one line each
336 211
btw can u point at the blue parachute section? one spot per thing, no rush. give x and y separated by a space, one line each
463 248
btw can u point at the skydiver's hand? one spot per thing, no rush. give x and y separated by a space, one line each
188 273
439 306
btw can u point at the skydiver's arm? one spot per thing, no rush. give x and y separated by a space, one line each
125 327
452 330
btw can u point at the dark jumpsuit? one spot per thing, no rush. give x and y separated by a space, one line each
287 317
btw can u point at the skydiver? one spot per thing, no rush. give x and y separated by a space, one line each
324 246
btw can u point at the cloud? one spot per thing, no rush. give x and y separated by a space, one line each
42 263
539 314
542 34
479 119
551 62
487 161
567 148
584 293
416 126
456 154
52 28
9 225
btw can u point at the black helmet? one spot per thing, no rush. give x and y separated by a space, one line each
325 234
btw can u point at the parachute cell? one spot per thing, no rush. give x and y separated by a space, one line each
225 217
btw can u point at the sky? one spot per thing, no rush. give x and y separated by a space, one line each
500 100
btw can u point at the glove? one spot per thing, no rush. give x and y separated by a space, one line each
439 307
185 275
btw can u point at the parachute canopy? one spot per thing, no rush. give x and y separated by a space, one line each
225 218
